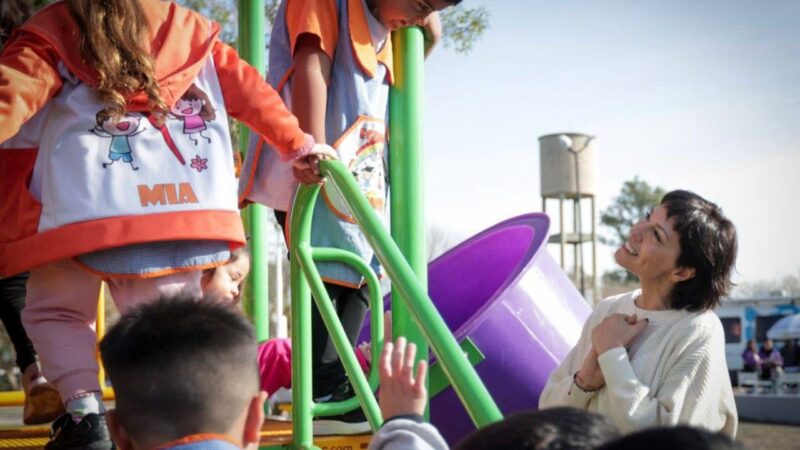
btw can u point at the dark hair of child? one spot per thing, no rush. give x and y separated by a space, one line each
560 428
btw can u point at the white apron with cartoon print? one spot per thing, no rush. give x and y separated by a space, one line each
361 150
90 166
355 117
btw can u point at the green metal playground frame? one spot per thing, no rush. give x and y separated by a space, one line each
403 255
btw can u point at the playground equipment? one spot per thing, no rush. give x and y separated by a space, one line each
471 392
252 47
521 291
500 292
512 309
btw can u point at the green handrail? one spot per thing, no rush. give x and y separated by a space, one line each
305 277
307 256
459 371
375 304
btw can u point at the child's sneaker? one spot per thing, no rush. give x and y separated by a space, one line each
42 405
91 433
353 422
42 402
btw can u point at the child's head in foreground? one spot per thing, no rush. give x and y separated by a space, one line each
560 428
181 367
224 283
673 438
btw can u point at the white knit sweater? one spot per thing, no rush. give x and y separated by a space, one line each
674 372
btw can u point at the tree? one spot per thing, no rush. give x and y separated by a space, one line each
224 12
636 198
788 286
462 27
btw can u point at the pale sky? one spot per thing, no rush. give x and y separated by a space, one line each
699 95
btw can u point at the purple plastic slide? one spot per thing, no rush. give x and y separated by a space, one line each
502 289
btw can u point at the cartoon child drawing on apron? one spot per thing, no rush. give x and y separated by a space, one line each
120 131
194 109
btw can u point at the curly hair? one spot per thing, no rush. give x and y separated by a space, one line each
111 44
13 13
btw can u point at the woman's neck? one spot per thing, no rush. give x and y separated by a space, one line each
655 296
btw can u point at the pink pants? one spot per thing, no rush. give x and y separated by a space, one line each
61 311
275 364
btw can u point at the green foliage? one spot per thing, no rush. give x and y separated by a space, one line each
636 198
40 3
462 27
222 11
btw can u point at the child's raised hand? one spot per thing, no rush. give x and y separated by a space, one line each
401 392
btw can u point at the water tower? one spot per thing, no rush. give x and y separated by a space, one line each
568 174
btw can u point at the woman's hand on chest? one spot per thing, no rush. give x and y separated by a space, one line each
616 330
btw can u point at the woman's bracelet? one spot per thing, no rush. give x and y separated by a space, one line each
582 385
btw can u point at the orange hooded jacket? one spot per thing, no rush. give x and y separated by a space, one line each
29 79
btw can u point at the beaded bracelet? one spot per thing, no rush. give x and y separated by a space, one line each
582 385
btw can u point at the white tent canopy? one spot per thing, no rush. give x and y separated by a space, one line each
786 328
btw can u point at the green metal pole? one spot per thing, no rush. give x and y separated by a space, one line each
302 401
251 49
336 331
405 173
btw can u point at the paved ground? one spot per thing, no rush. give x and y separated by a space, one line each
755 436
760 436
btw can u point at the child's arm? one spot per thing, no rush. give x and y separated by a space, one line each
406 434
313 31
28 80
431 32
251 100
402 400
312 73
310 92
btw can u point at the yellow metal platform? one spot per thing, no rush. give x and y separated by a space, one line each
24 438
274 434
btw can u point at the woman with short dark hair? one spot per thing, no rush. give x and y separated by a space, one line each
656 355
